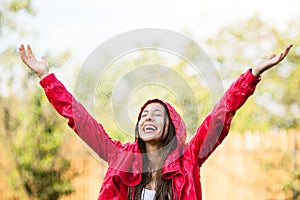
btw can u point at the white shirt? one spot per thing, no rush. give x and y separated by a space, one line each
147 194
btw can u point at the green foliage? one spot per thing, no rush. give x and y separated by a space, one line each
40 164
32 132
9 10
17 5
35 136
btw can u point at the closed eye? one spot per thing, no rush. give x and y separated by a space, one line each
158 113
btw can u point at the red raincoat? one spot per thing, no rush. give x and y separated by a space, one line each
124 160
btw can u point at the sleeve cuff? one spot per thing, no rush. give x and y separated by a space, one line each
251 79
47 80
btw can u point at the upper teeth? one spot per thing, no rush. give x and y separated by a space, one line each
150 127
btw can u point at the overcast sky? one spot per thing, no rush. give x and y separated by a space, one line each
82 25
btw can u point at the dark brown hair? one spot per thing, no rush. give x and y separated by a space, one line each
163 187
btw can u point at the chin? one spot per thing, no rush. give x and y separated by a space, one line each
148 138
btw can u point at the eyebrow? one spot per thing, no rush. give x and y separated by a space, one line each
157 109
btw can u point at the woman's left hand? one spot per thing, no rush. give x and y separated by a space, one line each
271 61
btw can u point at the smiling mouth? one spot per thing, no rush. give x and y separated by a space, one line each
149 128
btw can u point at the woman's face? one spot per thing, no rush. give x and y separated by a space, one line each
151 124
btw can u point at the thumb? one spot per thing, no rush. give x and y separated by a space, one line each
271 56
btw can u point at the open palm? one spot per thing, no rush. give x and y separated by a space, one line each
41 68
271 61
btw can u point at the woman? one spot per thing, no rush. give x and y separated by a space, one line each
159 164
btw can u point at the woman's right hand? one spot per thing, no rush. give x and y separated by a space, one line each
40 68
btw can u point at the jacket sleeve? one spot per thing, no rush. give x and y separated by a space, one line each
86 127
216 125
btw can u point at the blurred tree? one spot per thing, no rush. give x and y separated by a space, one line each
31 131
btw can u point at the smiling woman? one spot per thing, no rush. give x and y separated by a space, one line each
159 164
154 131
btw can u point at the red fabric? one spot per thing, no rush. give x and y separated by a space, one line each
124 160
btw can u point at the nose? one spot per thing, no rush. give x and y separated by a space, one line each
148 118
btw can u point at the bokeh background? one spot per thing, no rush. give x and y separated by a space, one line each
40 157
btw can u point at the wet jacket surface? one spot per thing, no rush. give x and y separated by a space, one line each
124 160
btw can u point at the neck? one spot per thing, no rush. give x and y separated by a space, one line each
154 155
151 148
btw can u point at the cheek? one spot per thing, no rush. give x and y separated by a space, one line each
140 122
160 121
158 118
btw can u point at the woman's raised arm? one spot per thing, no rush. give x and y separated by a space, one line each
216 125
86 127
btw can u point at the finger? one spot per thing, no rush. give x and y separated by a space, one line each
21 47
279 58
30 54
290 46
275 60
24 55
287 49
284 53
22 52
271 56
